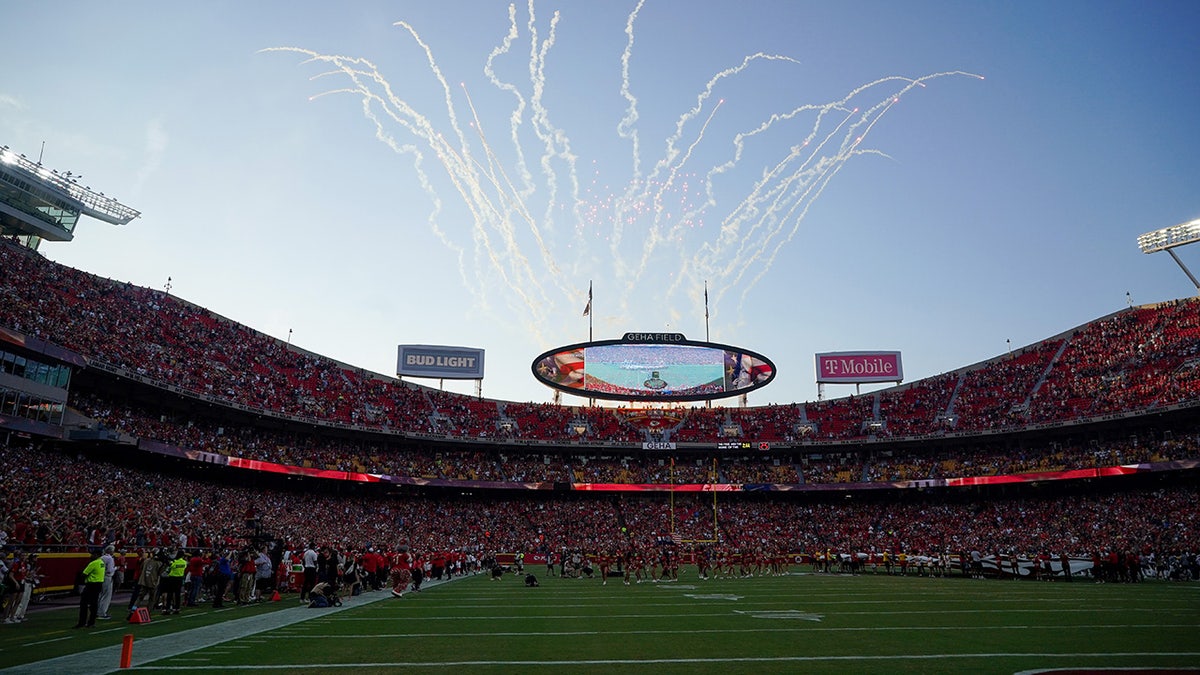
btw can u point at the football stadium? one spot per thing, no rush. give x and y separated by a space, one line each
883 530
185 492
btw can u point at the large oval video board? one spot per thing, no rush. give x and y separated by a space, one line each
653 367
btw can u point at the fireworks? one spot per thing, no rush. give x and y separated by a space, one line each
537 227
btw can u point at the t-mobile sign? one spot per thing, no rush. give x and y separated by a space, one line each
859 367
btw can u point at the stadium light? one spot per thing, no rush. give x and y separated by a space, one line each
1169 238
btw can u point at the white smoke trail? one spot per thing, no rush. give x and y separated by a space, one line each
517 273
639 190
655 237
518 114
556 144
711 260
503 186
790 207
627 127
506 261
501 192
528 187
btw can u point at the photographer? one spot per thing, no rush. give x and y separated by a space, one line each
263 576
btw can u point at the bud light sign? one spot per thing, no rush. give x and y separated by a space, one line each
450 363
859 367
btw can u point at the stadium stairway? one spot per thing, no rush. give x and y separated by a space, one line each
1046 373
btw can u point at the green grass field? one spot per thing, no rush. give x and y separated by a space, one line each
809 623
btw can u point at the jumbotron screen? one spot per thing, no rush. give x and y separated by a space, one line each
653 367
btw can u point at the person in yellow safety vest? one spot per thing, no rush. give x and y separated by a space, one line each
89 600
173 583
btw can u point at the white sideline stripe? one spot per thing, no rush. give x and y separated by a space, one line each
796 629
639 662
148 650
1124 610
959 593
1101 669
807 598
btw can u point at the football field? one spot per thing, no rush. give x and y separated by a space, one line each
810 623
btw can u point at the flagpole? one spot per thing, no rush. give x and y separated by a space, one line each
706 310
587 311
708 403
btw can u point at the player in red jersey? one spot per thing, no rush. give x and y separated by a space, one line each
604 562
670 569
702 564
401 574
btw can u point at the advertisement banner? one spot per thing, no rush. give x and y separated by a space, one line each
859 367
440 362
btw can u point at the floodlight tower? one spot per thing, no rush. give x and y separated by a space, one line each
1170 238
39 203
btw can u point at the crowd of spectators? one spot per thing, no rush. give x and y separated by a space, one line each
1161 520
102 503
132 508
915 409
993 397
996 460
310 449
703 424
1137 359
841 418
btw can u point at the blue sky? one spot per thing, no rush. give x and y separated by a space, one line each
962 214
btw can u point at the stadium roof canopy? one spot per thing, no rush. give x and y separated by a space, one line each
40 203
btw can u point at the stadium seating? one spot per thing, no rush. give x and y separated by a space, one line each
1135 360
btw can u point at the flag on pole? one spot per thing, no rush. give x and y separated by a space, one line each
588 308
706 300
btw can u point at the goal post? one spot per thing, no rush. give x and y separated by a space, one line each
713 478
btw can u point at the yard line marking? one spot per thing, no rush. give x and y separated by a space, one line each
1074 602
108 630
639 662
1102 669
509 617
781 614
525 616
791 629
1153 610
42 642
